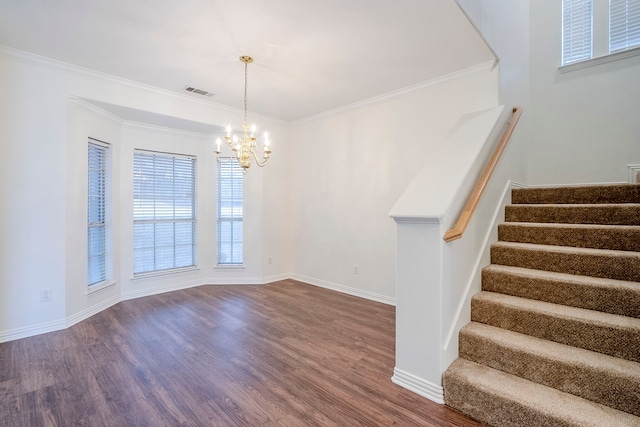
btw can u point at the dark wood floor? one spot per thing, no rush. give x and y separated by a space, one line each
283 354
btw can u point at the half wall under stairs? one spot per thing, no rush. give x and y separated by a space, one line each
554 337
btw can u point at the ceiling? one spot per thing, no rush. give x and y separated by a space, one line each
311 56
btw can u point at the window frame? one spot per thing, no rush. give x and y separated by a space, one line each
158 213
102 190
230 176
577 31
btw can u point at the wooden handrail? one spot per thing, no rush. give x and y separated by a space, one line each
474 198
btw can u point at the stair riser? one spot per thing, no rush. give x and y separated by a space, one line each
589 194
624 239
617 341
623 301
583 214
607 387
625 266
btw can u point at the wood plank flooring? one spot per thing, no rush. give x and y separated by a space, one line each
283 354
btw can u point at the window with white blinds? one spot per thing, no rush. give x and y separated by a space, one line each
230 195
164 211
98 212
624 24
585 27
577 34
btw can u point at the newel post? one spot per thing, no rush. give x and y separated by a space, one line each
419 296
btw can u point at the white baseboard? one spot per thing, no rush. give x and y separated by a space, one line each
276 278
424 388
345 289
29 331
161 289
250 280
57 325
93 310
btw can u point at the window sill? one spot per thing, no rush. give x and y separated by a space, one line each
600 60
98 287
164 272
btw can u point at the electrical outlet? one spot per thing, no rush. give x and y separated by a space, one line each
356 269
46 295
269 260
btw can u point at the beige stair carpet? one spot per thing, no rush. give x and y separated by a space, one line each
555 333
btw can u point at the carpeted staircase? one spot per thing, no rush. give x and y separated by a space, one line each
554 337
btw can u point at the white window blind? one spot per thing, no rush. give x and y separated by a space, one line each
624 24
230 180
98 212
164 206
577 30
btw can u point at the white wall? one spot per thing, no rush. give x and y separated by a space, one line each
584 125
351 169
504 24
46 121
32 193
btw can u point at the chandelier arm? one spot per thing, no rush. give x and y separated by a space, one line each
258 162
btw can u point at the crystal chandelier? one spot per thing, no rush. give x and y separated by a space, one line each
244 147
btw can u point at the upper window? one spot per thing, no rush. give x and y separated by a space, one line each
577 30
624 24
593 29
98 213
164 206
230 177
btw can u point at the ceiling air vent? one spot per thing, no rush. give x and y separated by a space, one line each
198 91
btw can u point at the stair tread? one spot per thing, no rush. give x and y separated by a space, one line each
597 193
607 295
573 205
552 350
595 318
570 225
595 376
566 249
563 277
575 213
597 236
612 263
559 407
612 334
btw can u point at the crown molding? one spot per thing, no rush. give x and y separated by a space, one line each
83 105
131 124
400 93
396 94
54 63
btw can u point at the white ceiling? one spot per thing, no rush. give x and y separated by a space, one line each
311 56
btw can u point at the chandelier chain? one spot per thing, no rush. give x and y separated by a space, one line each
245 91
